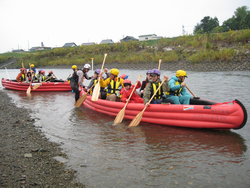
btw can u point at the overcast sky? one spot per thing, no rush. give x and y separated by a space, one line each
27 23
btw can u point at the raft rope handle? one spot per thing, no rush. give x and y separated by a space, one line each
224 103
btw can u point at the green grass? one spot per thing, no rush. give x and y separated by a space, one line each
193 48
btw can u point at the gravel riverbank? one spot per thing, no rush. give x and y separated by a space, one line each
26 155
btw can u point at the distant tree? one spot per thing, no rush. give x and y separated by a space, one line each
206 25
240 20
218 29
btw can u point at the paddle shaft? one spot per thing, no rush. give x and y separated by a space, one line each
96 91
137 118
190 91
159 67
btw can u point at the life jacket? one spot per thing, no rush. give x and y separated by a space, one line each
74 78
154 87
113 86
22 78
43 78
51 77
177 92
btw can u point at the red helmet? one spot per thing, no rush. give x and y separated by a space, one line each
50 72
126 81
124 76
43 71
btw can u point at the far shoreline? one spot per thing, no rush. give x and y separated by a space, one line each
172 66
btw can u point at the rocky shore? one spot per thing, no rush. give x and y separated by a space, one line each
244 65
27 157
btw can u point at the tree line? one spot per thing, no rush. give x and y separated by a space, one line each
240 20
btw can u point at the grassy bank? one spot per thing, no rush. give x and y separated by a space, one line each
223 47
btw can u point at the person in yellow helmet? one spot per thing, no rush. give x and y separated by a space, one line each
114 85
32 68
77 80
178 92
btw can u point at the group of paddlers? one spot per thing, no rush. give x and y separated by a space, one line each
119 88
32 76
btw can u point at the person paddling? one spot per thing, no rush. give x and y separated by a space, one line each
178 92
114 85
42 77
21 77
51 76
94 80
126 91
153 85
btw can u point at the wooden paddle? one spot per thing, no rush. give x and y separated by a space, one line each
38 85
137 118
29 88
120 115
96 92
22 63
192 93
82 98
159 64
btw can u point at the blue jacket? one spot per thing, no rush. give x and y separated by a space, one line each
174 87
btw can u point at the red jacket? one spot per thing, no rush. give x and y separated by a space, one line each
134 98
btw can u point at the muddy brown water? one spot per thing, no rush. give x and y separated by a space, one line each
147 155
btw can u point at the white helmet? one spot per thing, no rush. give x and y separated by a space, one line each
87 66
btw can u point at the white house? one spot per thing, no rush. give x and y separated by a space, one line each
149 37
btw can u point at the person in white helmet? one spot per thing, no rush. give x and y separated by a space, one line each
77 80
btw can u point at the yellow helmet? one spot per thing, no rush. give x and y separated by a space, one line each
181 73
114 72
32 65
74 67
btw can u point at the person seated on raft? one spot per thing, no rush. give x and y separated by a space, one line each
42 76
32 68
153 85
144 83
21 77
114 85
52 77
33 76
29 77
177 87
126 91
38 74
103 93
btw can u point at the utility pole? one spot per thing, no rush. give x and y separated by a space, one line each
183 31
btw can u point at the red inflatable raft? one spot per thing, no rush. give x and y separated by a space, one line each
200 113
57 85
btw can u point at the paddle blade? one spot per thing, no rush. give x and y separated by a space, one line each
136 120
28 90
96 92
81 100
119 116
36 86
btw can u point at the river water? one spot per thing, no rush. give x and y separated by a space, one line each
147 155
